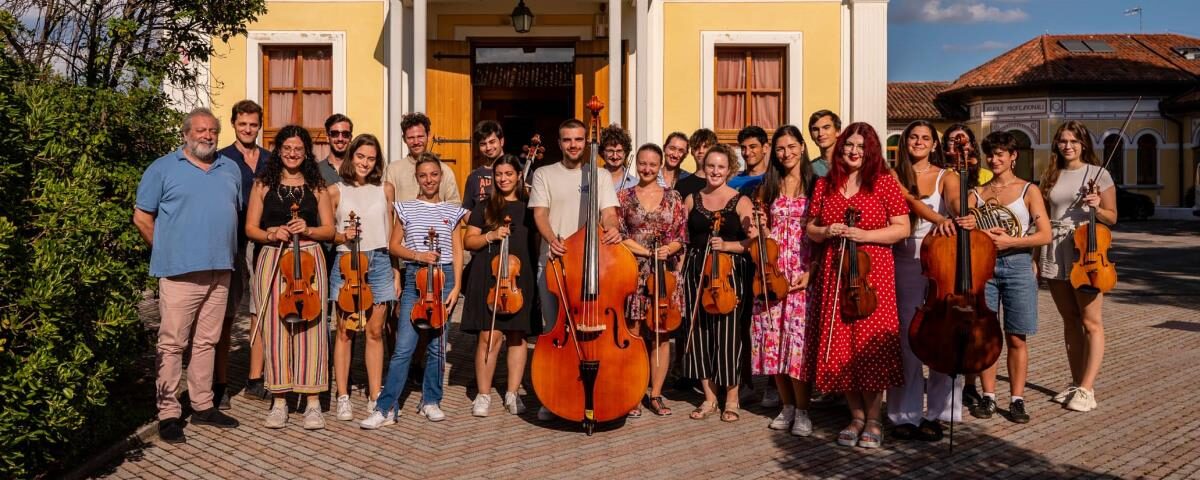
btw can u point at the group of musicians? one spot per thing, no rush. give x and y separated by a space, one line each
292 229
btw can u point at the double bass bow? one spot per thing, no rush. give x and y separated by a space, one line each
590 367
354 294
430 312
955 332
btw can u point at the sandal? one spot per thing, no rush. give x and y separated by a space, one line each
871 440
705 410
659 406
731 414
848 437
635 413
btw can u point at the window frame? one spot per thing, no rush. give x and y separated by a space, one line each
793 40
298 90
729 136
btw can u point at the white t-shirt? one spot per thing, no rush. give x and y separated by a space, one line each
556 187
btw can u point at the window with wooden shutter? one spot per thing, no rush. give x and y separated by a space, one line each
749 89
298 89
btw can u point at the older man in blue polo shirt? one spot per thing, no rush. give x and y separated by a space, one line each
187 209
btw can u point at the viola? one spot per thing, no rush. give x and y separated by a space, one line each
955 332
717 294
856 297
769 283
1092 272
430 312
355 295
590 367
663 315
299 300
505 296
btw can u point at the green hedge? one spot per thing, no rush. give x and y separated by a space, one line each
73 266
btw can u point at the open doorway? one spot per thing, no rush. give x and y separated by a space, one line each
527 87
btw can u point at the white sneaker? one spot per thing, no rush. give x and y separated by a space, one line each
313 419
345 411
377 419
545 415
371 405
277 417
783 421
770 398
432 412
802 426
1065 395
481 406
1083 400
513 403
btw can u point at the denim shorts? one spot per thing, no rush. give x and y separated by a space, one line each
379 275
1013 293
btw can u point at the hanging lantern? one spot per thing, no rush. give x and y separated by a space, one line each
522 18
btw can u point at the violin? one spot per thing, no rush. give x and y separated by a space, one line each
430 312
955 332
718 297
769 283
299 300
1092 271
590 367
663 315
505 297
354 295
531 153
856 297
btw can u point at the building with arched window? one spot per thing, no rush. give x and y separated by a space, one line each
1037 86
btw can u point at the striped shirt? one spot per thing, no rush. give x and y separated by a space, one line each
418 216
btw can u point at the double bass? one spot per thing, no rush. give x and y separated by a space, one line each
430 312
355 295
590 367
299 300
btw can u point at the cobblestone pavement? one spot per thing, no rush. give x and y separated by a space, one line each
1141 430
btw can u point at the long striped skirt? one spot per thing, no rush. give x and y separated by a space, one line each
716 346
297 354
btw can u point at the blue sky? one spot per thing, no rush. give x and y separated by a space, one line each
941 39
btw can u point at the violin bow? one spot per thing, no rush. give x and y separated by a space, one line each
654 305
837 294
1113 153
762 260
262 303
495 305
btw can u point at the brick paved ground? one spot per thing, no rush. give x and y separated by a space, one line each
1141 430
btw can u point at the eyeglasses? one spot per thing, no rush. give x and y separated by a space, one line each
614 152
339 133
291 150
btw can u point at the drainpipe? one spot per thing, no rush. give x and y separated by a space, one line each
1179 157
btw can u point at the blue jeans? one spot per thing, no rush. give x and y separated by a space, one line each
1013 293
406 343
379 275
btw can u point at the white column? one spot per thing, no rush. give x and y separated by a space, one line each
868 54
641 84
395 80
654 85
614 61
420 42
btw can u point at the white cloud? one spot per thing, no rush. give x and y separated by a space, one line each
978 47
958 11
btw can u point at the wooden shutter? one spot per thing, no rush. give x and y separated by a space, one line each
448 104
591 78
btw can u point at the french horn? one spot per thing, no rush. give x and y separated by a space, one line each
992 214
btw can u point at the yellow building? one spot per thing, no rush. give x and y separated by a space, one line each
1034 88
684 64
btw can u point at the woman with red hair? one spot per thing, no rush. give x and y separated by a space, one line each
859 357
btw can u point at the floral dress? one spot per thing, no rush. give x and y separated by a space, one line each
860 355
778 336
669 224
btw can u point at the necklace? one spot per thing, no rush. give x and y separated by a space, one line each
923 170
998 186
294 193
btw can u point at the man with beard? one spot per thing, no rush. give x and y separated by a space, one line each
700 142
340 130
402 172
824 127
246 118
675 149
187 210
489 139
556 202
752 141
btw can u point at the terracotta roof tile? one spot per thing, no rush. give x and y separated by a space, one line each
1136 58
538 75
914 100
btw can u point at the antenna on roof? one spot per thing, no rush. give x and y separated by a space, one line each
1136 11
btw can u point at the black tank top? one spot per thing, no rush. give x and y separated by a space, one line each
277 206
700 222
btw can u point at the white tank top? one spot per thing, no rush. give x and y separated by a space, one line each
934 202
370 204
1017 207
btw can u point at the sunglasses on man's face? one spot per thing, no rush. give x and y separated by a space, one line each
339 133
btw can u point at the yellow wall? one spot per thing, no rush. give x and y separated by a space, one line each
820 22
363 23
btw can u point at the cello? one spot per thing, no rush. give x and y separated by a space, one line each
353 296
299 301
590 367
430 312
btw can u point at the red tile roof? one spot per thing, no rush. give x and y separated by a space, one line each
1136 59
914 100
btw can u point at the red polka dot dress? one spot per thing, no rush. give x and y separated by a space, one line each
864 354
